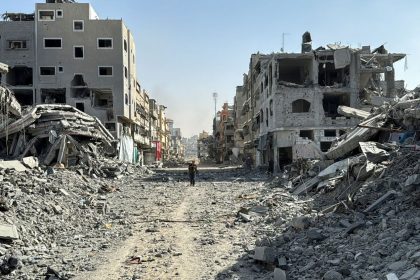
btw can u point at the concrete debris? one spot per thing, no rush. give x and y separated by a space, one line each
352 226
380 200
280 274
12 164
56 134
8 232
352 112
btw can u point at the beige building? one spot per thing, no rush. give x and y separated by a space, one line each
65 53
291 100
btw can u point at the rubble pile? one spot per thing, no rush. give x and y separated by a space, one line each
54 219
358 216
55 134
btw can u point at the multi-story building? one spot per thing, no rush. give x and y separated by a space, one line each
224 133
292 99
64 53
176 148
239 119
204 143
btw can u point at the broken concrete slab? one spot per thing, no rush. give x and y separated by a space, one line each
332 275
30 162
379 201
301 222
8 232
392 276
351 140
409 274
306 186
12 164
396 266
339 167
374 151
280 274
265 254
352 112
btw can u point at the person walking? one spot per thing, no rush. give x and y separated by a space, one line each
192 171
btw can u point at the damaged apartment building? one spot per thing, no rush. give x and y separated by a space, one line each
65 54
288 105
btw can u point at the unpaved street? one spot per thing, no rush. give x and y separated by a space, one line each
181 232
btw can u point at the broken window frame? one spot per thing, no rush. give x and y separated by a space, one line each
83 52
45 17
78 21
50 39
45 68
104 39
102 67
23 44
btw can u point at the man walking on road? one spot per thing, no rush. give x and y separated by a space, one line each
192 171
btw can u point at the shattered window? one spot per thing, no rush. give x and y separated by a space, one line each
13 45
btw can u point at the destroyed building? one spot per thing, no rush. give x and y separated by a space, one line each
224 133
292 99
204 146
176 148
65 54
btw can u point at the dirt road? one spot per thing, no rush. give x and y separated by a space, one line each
181 232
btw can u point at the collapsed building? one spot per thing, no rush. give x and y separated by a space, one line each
223 133
291 100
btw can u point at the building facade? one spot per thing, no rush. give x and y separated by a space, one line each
291 99
64 53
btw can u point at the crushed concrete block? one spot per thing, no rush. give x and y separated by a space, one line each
57 209
301 222
396 266
265 254
64 192
332 275
12 164
280 274
8 232
282 263
381 200
315 234
30 162
392 276
409 273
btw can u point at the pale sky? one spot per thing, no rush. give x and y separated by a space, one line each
188 49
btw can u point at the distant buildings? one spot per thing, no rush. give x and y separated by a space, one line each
64 53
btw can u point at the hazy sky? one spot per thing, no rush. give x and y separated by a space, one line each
188 49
